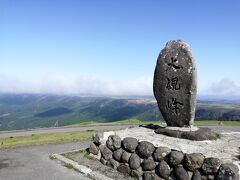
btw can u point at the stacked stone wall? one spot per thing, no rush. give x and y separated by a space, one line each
143 160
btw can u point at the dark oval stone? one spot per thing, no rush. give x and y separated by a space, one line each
176 157
125 156
163 169
193 161
106 153
113 142
211 165
196 175
130 144
134 161
93 149
117 154
175 84
145 149
123 168
136 173
180 173
112 163
160 153
96 138
148 165
228 172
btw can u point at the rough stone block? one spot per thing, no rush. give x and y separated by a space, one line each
160 153
228 172
145 149
193 161
106 153
211 165
113 142
134 161
93 149
130 144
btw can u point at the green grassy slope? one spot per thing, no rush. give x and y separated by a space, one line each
51 138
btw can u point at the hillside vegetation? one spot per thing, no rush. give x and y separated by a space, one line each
22 111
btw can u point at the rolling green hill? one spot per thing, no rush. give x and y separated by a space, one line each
23 111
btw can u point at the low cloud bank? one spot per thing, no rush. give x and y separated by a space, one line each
95 86
225 88
81 85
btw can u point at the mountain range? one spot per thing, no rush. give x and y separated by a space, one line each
23 111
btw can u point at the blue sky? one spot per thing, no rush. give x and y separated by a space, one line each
111 47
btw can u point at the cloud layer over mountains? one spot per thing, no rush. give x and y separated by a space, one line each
81 85
96 86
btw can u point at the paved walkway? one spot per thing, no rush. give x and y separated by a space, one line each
33 163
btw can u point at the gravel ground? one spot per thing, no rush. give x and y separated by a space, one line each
222 128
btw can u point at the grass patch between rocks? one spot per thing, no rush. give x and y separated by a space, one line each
69 166
85 153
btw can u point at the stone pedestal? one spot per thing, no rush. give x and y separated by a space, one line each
196 134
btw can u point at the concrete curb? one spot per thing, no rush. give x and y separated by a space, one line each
80 168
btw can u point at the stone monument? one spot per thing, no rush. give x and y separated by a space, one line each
143 155
175 84
175 89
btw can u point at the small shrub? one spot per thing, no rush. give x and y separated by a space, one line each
218 136
52 157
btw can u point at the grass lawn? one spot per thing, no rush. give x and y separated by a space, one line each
136 121
51 138
128 121
205 122
80 136
225 123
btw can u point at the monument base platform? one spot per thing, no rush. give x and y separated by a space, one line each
192 133
200 134
227 147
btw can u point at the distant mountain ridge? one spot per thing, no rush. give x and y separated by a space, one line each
22 111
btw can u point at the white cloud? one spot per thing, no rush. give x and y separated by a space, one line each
224 87
59 84
80 85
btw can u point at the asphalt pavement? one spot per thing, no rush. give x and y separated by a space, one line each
33 163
